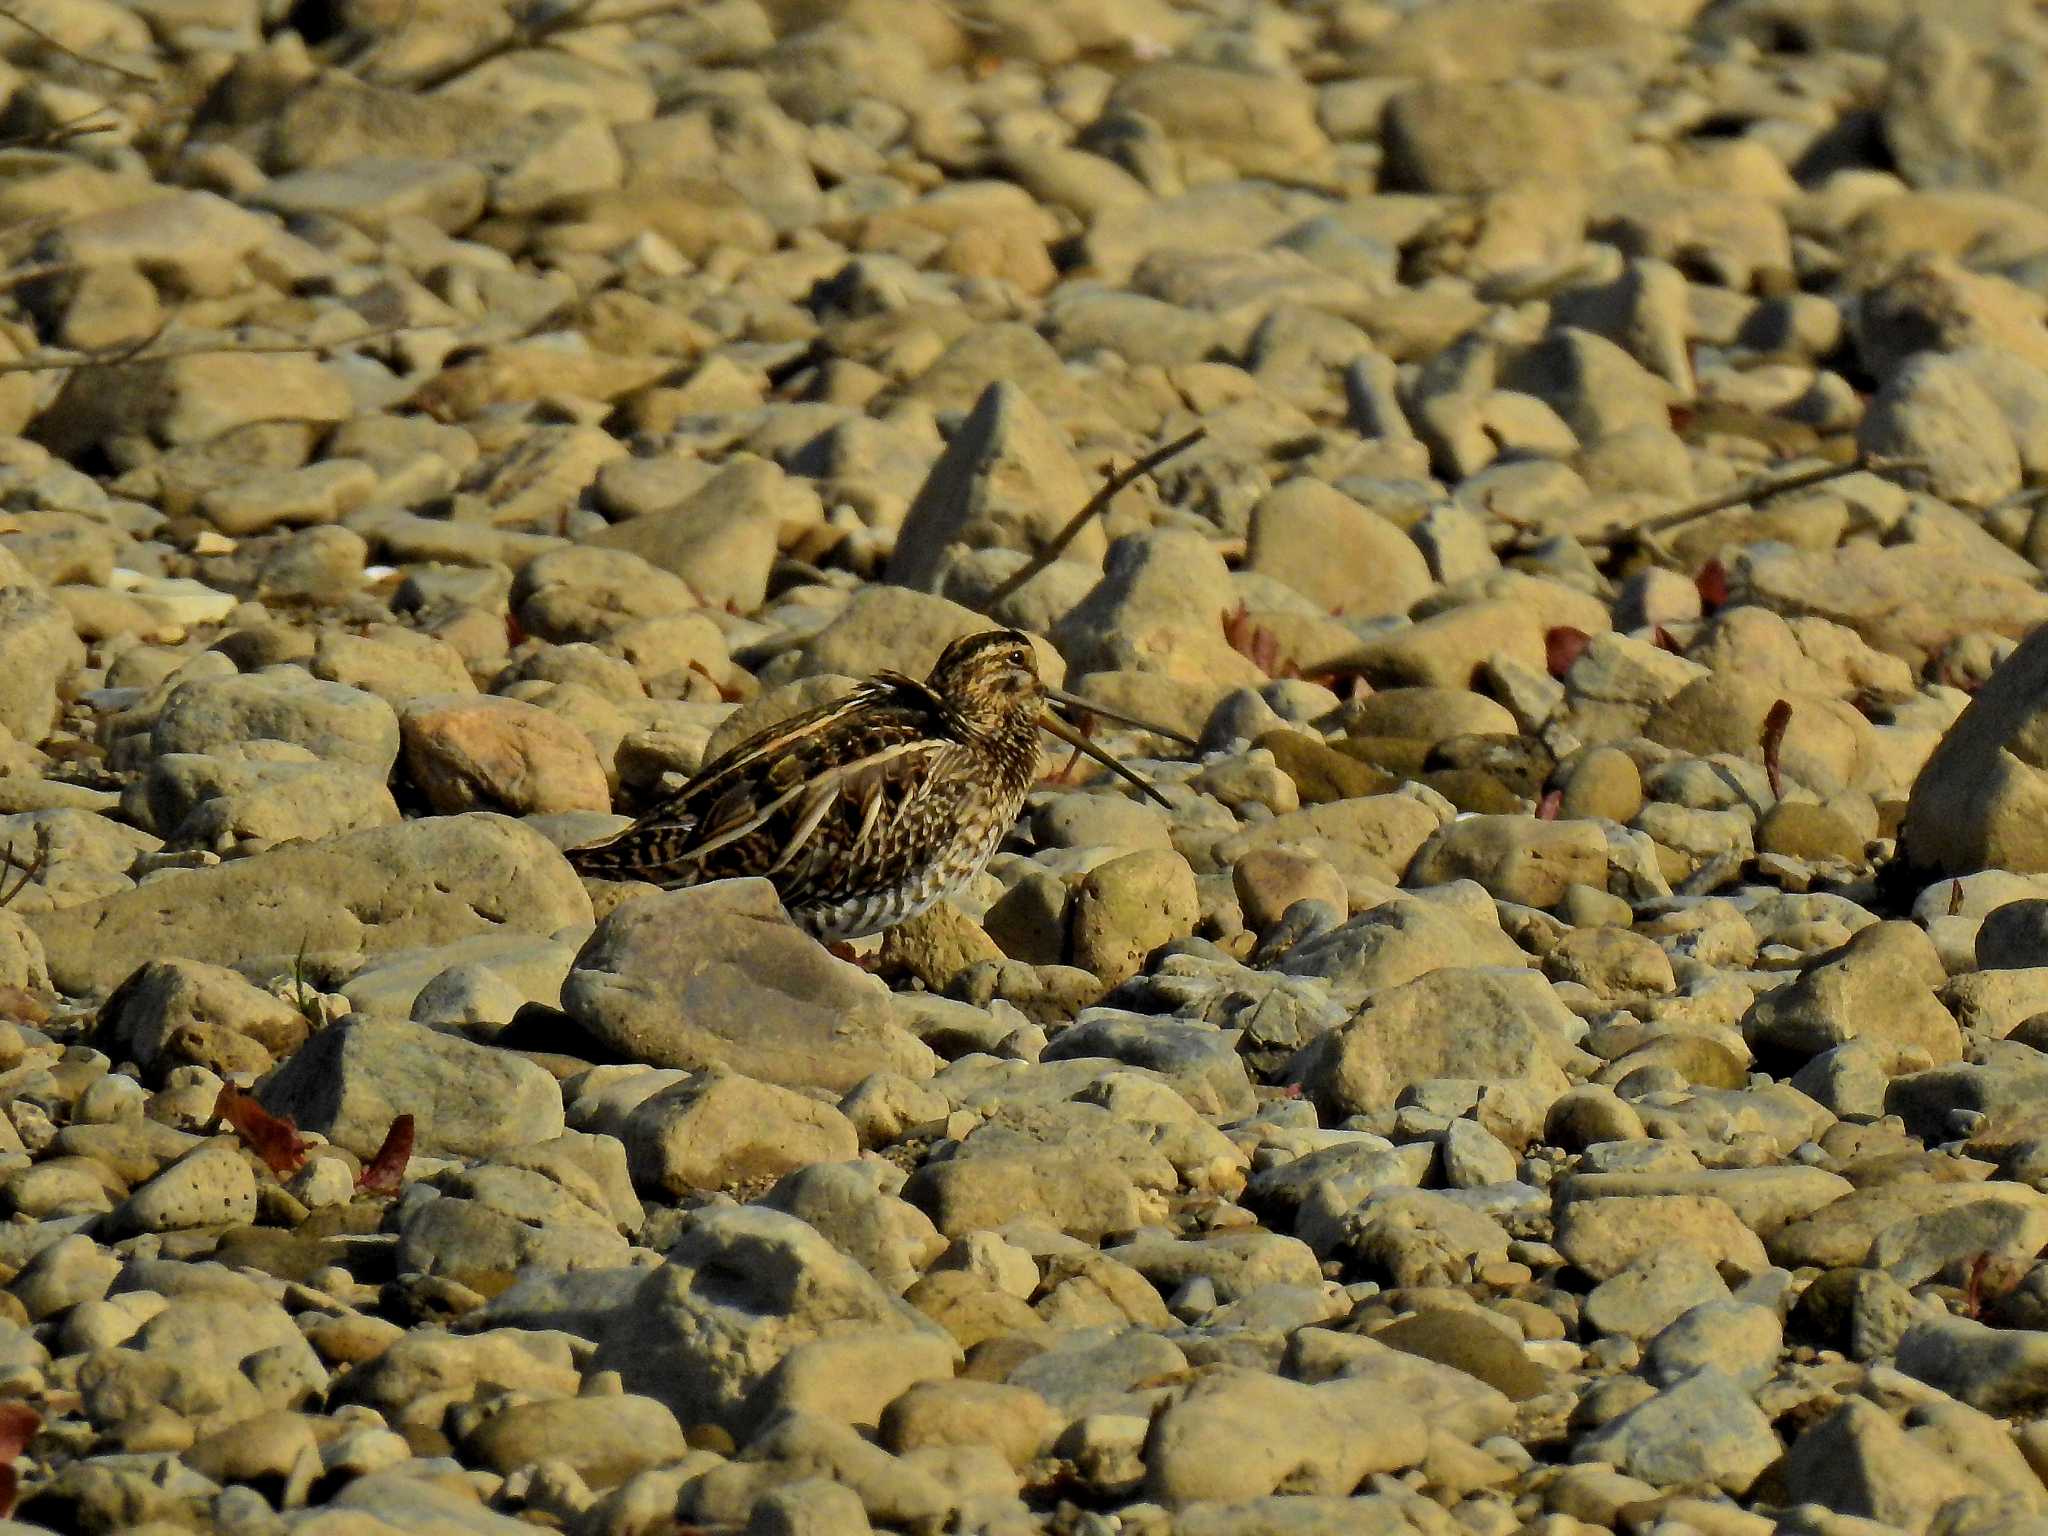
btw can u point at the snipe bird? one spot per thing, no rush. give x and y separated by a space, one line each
866 811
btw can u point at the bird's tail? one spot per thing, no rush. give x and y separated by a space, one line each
655 851
615 858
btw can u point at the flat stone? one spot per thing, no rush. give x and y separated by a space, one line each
1705 1428
353 1078
417 884
717 975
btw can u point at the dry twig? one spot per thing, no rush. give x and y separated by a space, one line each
1097 504
59 134
69 52
30 872
1761 489
138 351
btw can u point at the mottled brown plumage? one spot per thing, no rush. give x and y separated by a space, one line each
865 811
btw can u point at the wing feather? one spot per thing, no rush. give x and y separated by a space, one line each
806 802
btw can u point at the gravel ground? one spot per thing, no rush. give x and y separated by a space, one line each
1574 1055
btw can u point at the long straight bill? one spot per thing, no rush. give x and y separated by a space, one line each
1076 740
1074 701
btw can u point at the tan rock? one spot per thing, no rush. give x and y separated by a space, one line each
477 751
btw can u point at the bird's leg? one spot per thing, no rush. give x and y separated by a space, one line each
869 961
1080 743
1064 774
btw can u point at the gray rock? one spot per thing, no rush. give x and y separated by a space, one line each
1244 1434
425 1370
193 399
1867 992
2000 1370
38 652
1734 1337
219 803
1007 480
399 1500
334 722
173 1011
1159 608
1413 1236
721 539
739 1290
1970 803
480 1225
1088 1370
1461 136
2014 935
887 627
1467 1021
604 1439
1653 1292
1703 1429
1858 1461
1442 1396
719 1129
1345 558
1199 1060
853 1205
1516 858
353 1078
372 194
1941 1104
1235 1264
1962 105
212 1185
417 884
1932 410
1074 1167
1396 942
717 975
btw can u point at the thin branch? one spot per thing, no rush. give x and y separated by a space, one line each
1097 504
1761 489
72 53
30 872
138 351
58 134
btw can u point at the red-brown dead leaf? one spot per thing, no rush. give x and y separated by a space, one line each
1713 584
18 1425
1955 897
1775 721
384 1174
1991 1277
725 695
1548 807
1253 640
22 1006
515 632
271 1137
1562 646
1664 640
1681 418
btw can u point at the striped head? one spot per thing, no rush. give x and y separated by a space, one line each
991 682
